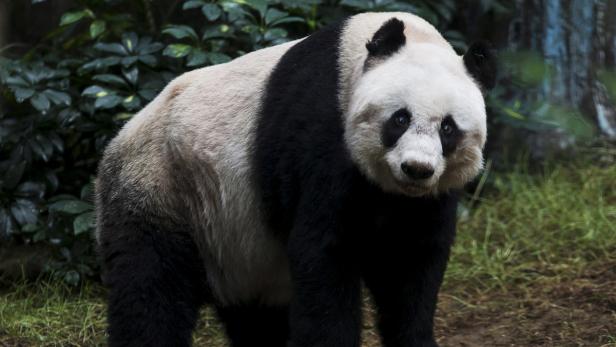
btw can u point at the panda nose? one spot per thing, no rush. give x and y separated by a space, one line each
417 171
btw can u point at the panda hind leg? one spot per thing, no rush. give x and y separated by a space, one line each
250 325
156 285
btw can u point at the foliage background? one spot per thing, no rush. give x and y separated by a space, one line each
89 65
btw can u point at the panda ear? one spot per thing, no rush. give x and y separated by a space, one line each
387 40
480 61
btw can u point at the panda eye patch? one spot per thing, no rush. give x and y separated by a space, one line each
450 135
448 126
402 118
395 127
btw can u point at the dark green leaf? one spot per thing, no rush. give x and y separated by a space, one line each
148 94
274 14
222 30
61 197
87 192
196 58
131 102
40 102
38 149
29 228
98 64
111 79
83 222
193 4
128 61
211 11
39 235
274 34
288 20
114 48
234 11
148 59
6 223
72 277
72 17
58 98
177 50
132 75
218 58
96 28
95 91
17 81
31 190
259 5
147 48
71 206
24 211
13 175
52 178
22 94
181 32
108 101
130 41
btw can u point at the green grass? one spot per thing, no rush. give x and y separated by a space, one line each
48 313
524 231
532 226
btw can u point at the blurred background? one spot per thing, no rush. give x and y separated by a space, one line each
535 259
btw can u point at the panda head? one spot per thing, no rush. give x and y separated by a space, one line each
416 121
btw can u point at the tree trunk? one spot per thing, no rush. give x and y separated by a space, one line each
578 39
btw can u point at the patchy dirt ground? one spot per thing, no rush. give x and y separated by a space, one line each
578 311
567 312
555 312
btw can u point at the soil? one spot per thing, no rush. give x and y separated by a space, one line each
579 311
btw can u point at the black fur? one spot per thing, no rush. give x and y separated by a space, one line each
339 227
480 62
155 280
252 324
151 266
387 40
450 142
393 130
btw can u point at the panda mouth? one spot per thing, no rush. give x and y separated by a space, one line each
413 188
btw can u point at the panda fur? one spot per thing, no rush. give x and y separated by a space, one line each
264 187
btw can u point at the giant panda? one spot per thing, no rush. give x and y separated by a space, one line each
274 187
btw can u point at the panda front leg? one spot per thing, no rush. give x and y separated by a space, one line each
325 309
405 292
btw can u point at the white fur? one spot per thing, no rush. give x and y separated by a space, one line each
429 79
208 116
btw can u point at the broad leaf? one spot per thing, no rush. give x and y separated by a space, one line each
211 11
177 50
96 28
40 102
111 79
108 101
114 48
71 206
72 17
83 222
24 211
181 31
193 4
